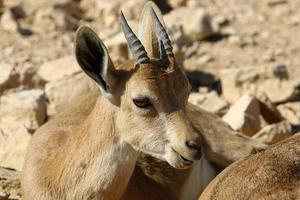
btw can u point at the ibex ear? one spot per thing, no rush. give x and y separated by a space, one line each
92 56
147 33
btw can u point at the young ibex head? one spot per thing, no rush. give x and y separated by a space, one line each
149 95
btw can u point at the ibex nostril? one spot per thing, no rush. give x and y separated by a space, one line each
194 146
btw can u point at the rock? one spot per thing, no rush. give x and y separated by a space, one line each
43 21
244 115
195 22
57 69
8 77
21 113
210 102
274 133
268 110
8 21
117 46
290 111
10 187
280 91
66 90
237 81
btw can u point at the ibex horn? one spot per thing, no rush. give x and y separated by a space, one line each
165 42
138 51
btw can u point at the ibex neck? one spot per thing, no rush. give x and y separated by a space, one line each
110 161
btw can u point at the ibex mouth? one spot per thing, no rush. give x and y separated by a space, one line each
184 160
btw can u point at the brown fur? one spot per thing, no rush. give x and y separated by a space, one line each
272 174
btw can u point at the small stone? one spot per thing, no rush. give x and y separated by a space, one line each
8 21
57 69
244 115
196 98
274 133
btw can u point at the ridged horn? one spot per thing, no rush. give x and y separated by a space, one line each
162 36
138 51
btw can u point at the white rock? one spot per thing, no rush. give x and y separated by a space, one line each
57 69
66 90
244 115
20 113
274 133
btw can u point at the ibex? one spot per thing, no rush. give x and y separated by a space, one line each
272 174
90 150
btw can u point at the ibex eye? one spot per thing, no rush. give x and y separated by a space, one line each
142 102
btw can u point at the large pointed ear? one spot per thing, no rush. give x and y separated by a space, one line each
147 33
92 56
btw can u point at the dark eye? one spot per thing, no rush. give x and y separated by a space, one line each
142 102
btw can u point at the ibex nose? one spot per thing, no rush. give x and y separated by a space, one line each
195 147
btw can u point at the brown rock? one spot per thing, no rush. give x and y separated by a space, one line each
244 115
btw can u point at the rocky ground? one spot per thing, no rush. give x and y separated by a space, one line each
242 58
